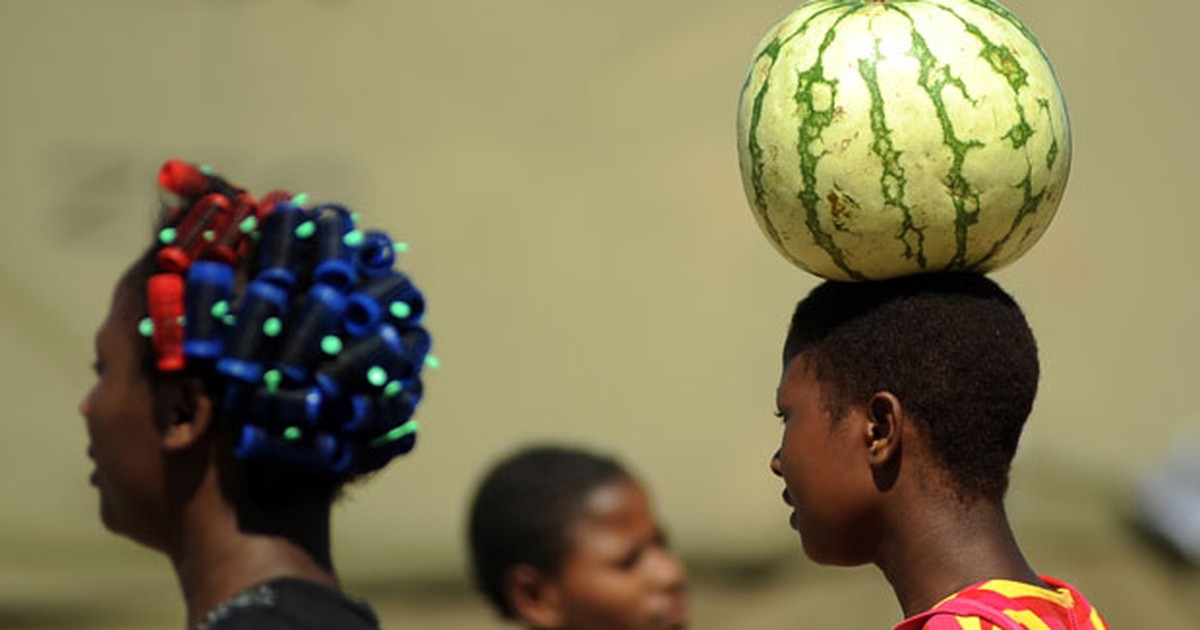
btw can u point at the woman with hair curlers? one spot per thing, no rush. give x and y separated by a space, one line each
257 357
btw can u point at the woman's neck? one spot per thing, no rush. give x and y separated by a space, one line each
940 551
218 556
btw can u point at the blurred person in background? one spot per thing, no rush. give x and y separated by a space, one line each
564 539
255 358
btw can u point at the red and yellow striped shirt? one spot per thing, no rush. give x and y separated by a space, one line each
1009 605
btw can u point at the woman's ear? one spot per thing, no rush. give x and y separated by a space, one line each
885 420
186 412
534 597
885 413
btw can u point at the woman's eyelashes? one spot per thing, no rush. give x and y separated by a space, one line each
634 556
630 560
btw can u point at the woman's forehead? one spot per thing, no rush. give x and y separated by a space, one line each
613 512
613 497
124 309
123 304
797 370
617 505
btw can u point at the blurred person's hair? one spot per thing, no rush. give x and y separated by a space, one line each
523 508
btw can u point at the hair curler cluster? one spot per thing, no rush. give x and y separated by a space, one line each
320 354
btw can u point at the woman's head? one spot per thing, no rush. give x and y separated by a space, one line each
954 347
898 395
561 538
277 334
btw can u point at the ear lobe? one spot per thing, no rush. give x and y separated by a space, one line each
188 413
534 597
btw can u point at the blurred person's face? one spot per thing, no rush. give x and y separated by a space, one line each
828 483
619 573
124 440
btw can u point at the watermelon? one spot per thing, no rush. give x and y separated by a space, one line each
891 137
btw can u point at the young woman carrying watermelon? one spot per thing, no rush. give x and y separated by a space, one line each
256 357
902 403
901 148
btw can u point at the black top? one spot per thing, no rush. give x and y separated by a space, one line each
290 604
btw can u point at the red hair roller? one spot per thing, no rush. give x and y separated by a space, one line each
183 179
165 302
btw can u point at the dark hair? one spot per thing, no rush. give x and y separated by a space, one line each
953 347
522 509
306 338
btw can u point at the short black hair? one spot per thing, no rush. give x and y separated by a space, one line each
523 508
953 347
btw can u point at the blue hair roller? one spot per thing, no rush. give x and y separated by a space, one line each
319 317
288 407
243 359
208 289
378 452
277 250
367 364
416 343
361 414
363 314
318 451
336 247
409 394
376 256
377 414
397 410
399 401
392 297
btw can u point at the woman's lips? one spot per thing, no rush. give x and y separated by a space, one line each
677 613
91 453
787 498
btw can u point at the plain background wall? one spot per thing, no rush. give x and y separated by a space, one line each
566 173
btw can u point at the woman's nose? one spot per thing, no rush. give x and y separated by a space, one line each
776 465
671 573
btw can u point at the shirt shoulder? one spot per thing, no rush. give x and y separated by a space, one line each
958 622
289 604
1010 605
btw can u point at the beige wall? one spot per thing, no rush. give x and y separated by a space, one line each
566 174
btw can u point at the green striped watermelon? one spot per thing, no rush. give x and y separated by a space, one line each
891 137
